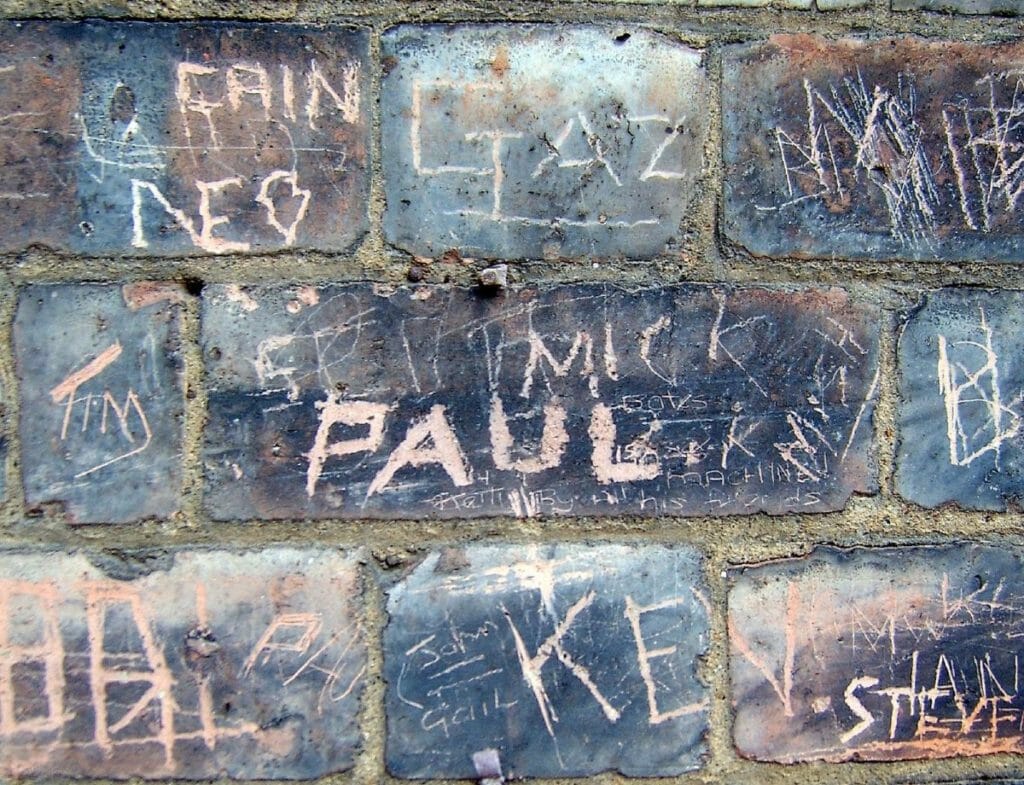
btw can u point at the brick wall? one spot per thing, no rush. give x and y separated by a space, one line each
584 391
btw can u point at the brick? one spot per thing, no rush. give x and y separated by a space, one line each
102 408
555 658
183 138
960 387
872 150
887 654
183 665
598 134
441 402
1000 7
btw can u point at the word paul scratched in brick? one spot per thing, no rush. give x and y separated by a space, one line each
443 402
962 400
179 666
102 408
895 149
182 138
547 661
528 141
888 654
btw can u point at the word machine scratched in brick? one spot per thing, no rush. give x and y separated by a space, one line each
498 145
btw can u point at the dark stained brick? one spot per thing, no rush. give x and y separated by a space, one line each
961 385
1001 7
873 150
441 402
184 138
564 660
188 665
510 141
887 654
101 399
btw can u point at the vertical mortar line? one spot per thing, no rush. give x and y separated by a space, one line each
714 202
370 768
715 671
194 380
373 250
14 496
886 408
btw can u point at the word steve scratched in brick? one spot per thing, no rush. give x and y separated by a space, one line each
433 401
190 665
556 657
182 138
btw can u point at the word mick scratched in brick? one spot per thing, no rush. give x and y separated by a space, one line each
356 401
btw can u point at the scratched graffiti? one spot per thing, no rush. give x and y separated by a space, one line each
498 145
962 390
101 398
898 148
350 401
188 665
885 654
556 657
157 139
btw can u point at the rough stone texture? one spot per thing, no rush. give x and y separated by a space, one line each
821 5
500 144
441 402
888 654
101 399
559 658
1001 7
188 666
182 138
961 385
873 150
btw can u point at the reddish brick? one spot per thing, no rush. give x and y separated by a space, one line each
887 654
186 665
101 399
873 149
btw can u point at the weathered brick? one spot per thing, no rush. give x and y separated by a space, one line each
558 659
101 398
187 665
513 141
961 386
888 654
873 150
1001 7
183 138
442 402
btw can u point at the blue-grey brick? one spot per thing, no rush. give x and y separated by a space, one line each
999 7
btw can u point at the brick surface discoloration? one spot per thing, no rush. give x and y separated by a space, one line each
102 409
999 7
556 657
961 387
184 665
183 138
888 654
498 145
896 149
442 402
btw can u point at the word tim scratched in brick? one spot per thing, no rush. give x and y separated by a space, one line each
894 149
355 401
186 666
162 139
555 658
891 654
962 408
517 141
101 398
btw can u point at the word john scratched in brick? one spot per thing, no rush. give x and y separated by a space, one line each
356 401
498 144
889 654
556 658
102 407
170 139
189 666
893 149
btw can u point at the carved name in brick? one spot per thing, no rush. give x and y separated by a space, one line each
498 144
348 401
892 149
101 398
886 654
162 139
189 666
547 661
962 388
